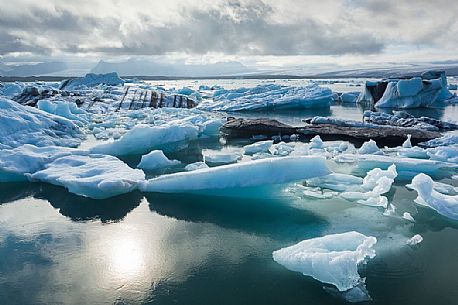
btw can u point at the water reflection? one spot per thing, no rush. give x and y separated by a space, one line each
80 208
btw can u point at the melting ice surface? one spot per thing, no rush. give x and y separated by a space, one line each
197 235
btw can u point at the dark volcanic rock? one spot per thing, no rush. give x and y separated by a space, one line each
384 136
247 128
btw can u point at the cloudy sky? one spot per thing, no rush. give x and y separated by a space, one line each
255 32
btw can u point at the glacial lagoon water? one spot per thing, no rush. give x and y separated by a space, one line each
59 248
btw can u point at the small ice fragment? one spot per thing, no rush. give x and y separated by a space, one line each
196 165
416 239
258 147
220 159
156 159
370 148
407 143
407 216
316 142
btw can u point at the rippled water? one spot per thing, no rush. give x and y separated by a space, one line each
58 248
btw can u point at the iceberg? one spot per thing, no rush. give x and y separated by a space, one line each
445 205
269 97
94 176
260 172
155 160
92 80
64 109
332 259
27 125
143 138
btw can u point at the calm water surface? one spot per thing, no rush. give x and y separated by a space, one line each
58 248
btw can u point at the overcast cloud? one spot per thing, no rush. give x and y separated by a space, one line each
227 27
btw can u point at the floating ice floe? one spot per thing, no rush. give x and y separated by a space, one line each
415 240
367 191
27 159
27 125
222 158
406 167
258 147
260 172
269 96
349 97
91 80
155 160
445 205
332 259
94 176
143 138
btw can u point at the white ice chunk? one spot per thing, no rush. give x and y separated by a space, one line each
239 175
27 159
415 240
156 159
94 176
258 147
444 153
407 143
222 158
331 259
370 148
316 142
27 125
196 165
408 217
142 139
444 204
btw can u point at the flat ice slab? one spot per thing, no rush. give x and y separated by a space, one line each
331 259
94 176
259 172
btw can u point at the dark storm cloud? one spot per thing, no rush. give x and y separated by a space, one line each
246 31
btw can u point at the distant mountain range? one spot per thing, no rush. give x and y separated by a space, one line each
157 70
136 67
131 67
